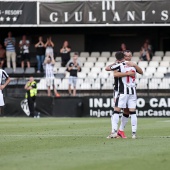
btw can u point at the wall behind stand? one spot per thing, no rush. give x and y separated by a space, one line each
87 106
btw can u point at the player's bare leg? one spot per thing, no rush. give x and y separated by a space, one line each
69 89
74 91
48 91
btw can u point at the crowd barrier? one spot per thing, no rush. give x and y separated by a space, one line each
87 106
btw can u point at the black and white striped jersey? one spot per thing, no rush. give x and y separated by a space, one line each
3 75
126 85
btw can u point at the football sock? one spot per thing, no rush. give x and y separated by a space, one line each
124 120
133 121
115 121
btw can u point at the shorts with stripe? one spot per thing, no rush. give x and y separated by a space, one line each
126 101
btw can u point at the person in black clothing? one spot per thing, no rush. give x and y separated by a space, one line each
73 66
65 53
31 87
40 47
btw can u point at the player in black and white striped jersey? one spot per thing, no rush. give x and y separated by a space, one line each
3 76
127 91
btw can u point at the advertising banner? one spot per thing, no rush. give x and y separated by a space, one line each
106 12
18 13
146 106
87 106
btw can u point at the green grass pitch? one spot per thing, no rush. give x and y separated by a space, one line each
81 144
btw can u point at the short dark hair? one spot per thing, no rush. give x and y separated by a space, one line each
76 53
119 55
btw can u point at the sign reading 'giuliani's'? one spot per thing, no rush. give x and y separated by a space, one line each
105 12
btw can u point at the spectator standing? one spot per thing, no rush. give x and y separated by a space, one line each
2 55
31 87
10 51
65 53
144 52
40 47
73 66
150 47
24 51
49 73
49 45
123 47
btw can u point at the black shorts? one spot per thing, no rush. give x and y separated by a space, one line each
25 56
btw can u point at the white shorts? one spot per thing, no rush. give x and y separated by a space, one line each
49 81
126 101
72 81
1 100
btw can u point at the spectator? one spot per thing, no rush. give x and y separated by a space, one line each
40 53
24 51
150 48
73 66
123 47
10 51
49 48
144 52
2 55
49 67
31 87
65 53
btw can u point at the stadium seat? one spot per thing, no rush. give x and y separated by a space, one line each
57 82
164 64
102 59
58 59
142 86
107 86
112 59
85 69
92 75
156 58
104 75
109 63
72 54
163 85
81 75
92 59
30 70
8 70
166 58
155 80
136 54
22 81
113 54
153 86
96 86
159 53
95 54
162 70
153 64
88 64
42 84
143 64
82 59
84 54
105 54
13 82
150 70
158 74
85 86
136 59
19 70
63 85
96 70
57 64
100 64
166 80
167 53
61 70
